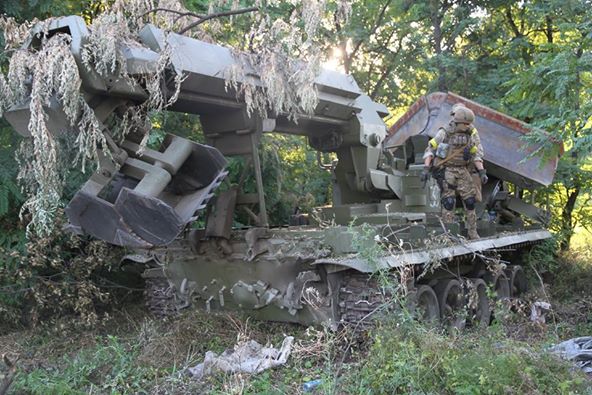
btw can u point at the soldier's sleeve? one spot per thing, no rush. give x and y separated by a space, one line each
476 147
434 142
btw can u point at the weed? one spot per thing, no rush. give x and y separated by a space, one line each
411 359
109 367
573 276
399 355
364 241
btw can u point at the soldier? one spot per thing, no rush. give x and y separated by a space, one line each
454 148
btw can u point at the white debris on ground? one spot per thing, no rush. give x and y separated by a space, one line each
578 350
247 357
538 311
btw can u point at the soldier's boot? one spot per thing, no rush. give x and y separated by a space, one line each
472 225
447 216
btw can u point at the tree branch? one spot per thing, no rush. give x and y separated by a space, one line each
377 24
217 15
513 26
549 29
390 68
180 13
450 42
380 82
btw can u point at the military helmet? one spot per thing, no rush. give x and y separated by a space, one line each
455 107
463 115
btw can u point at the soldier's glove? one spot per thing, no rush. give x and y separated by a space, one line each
425 174
483 176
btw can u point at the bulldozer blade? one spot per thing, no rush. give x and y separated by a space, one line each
143 205
90 215
508 156
157 222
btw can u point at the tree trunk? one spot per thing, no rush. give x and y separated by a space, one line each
347 59
549 29
567 219
518 35
437 37
572 196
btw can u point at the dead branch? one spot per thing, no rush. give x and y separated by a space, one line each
180 13
217 15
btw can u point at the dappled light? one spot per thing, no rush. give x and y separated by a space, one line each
361 196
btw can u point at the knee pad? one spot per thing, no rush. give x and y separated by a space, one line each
470 203
448 202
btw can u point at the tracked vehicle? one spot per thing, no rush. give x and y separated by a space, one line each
319 269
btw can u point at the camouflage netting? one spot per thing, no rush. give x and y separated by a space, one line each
36 77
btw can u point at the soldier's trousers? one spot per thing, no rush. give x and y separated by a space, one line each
459 180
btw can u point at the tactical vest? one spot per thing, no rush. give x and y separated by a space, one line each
457 142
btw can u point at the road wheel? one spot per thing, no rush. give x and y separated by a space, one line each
478 303
452 303
517 280
499 283
424 304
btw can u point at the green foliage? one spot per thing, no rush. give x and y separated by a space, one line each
572 278
554 92
407 358
364 241
12 235
42 8
292 178
108 368
10 194
46 278
543 257
528 59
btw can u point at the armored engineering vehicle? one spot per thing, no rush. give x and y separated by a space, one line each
383 219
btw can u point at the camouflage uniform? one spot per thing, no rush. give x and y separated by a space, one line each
465 148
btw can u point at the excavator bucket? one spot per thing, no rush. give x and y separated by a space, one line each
152 197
